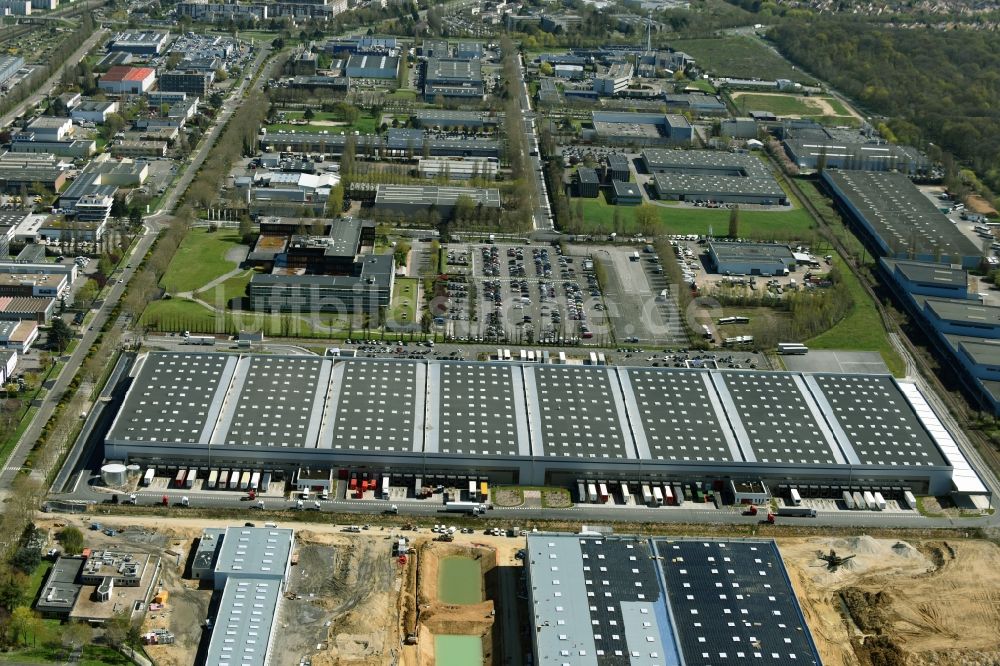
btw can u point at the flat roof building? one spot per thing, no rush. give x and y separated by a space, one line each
587 183
738 258
892 216
641 129
716 176
625 194
453 77
414 198
832 426
139 43
372 66
602 599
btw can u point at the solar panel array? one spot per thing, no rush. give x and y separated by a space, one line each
477 410
376 409
578 413
172 401
732 603
677 415
276 402
503 410
878 420
777 418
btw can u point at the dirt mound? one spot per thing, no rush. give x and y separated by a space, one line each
931 603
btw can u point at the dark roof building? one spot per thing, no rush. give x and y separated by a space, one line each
897 220
453 77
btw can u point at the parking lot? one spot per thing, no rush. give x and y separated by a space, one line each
523 293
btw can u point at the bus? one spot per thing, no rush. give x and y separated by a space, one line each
706 332
724 321
788 348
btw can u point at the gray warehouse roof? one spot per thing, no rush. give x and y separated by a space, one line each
738 251
258 552
375 410
921 272
454 70
430 195
900 214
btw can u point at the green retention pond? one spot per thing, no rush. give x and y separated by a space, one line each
460 581
457 650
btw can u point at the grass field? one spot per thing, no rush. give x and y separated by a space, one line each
178 314
200 259
861 329
404 301
221 294
795 105
741 57
779 225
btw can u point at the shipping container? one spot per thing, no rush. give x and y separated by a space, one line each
880 503
657 496
647 494
625 492
668 494
255 481
794 496
245 480
859 500
602 492
149 476
848 500
223 479
591 492
910 500
213 478
234 479
678 495
179 479
869 500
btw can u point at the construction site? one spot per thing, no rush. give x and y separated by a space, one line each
419 596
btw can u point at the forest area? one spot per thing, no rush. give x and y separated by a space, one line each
935 87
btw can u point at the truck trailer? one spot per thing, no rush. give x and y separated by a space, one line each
797 512
471 508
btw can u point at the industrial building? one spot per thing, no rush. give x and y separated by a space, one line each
696 102
717 176
442 118
98 585
9 66
608 599
587 183
18 336
810 145
20 170
50 128
453 78
123 80
894 218
457 169
737 258
398 143
372 67
641 129
27 142
249 568
963 330
614 80
625 194
366 289
93 111
616 167
139 43
409 199
534 424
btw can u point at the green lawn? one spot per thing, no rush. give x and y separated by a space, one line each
52 652
38 577
703 85
404 301
861 329
178 314
778 225
200 259
221 294
410 95
741 57
781 105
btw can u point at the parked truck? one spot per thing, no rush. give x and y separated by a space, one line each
657 496
848 500
591 492
910 500
797 512
859 500
869 500
647 494
880 503
471 508
148 477
602 493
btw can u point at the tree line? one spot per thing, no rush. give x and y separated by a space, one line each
939 89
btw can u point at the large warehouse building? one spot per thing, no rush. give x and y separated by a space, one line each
709 175
533 424
636 601
896 219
